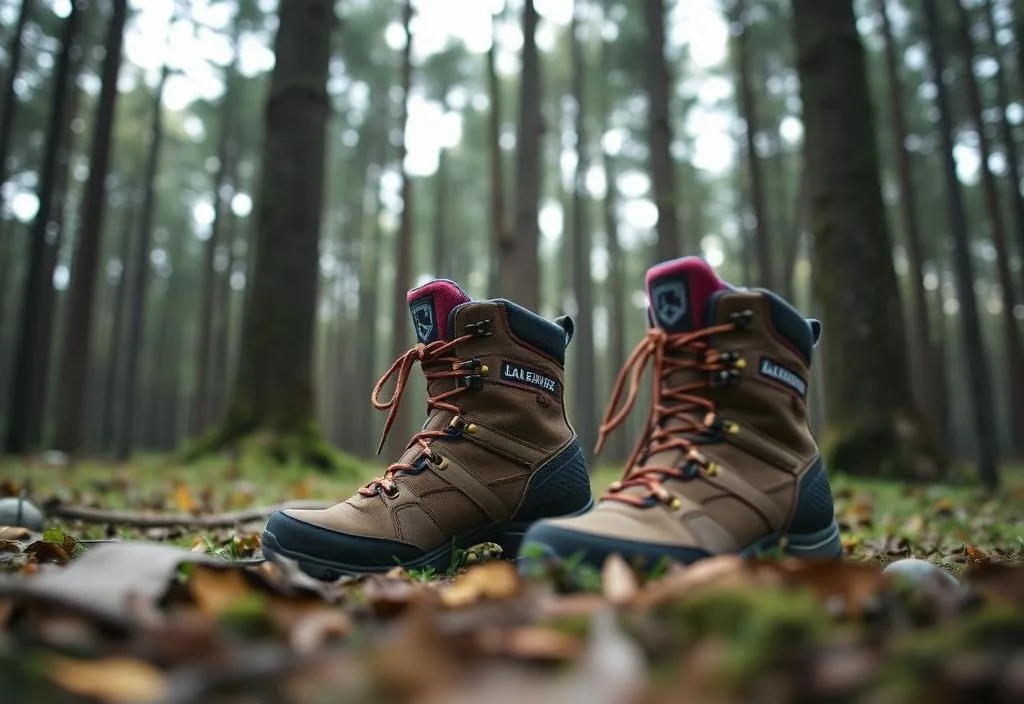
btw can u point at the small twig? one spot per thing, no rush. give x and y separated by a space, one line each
164 520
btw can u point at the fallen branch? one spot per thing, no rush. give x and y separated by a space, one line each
165 520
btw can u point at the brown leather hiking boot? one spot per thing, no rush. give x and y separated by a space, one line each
495 454
728 464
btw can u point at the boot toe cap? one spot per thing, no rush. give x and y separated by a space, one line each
331 553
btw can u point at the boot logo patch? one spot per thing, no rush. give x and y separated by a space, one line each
787 377
519 374
669 302
423 319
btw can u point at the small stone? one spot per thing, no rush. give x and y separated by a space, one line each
19 511
919 572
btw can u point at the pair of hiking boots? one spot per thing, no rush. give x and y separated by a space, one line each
727 463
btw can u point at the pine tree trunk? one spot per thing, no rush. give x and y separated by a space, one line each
519 263
585 363
140 280
659 133
1007 137
274 386
10 104
616 293
873 427
403 243
223 320
225 167
442 267
977 364
76 358
748 109
25 409
923 369
496 166
108 428
1011 337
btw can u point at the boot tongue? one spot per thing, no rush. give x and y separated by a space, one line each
430 305
678 291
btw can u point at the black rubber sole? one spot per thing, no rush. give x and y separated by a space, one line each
509 535
547 544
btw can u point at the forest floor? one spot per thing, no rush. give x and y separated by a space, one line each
187 613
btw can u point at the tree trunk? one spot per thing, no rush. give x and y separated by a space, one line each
76 358
585 372
25 410
10 104
977 364
496 165
923 369
404 242
748 109
659 133
873 427
274 386
518 256
1011 337
1008 139
441 265
795 237
225 167
140 281
108 428
223 319
616 294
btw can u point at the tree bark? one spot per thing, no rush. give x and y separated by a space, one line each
403 243
873 427
1007 137
518 256
585 363
10 104
25 409
990 190
659 133
274 386
108 427
76 357
977 364
497 170
225 167
923 368
748 109
140 281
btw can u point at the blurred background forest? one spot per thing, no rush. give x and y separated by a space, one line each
505 138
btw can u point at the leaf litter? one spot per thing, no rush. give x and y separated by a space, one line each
169 613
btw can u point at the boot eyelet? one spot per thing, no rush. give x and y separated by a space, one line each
675 503
439 463
472 428
471 381
391 492
484 369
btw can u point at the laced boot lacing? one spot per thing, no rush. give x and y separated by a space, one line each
698 420
467 374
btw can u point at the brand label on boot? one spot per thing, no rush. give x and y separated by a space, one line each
787 377
510 371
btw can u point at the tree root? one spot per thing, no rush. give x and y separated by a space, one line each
138 519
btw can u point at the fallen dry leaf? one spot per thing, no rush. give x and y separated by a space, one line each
184 500
43 551
618 581
531 643
216 590
491 580
14 533
112 680
317 627
847 587
720 572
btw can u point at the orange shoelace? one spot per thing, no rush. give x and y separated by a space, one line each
438 351
671 353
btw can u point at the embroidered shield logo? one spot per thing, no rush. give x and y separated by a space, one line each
423 319
669 301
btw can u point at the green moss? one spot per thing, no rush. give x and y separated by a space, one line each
893 448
